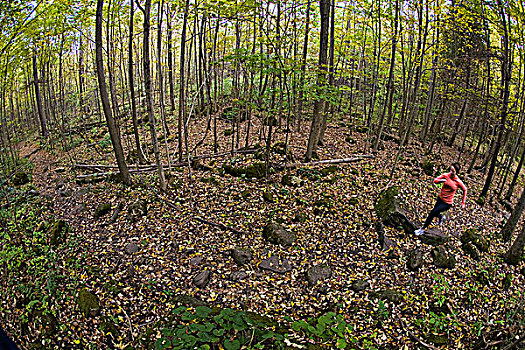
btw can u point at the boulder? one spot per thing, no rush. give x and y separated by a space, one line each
385 242
391 295
469 249
238 276
300 217
437 339
255 170
291 180
88 303
131 248
318 273
360 285
434 237
137 209
442 258
20 178
268 196
277 234
242 256
415 259
202 279
388 209
57 232
507 281
196 261
274 264
101 210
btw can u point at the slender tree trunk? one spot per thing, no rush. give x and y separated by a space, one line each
41 116
513 255
149 96
113 132
140 154
505 82
300 98
182 108
321 77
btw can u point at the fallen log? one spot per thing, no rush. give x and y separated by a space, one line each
327 161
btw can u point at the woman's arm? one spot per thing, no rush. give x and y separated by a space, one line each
440 178
464 188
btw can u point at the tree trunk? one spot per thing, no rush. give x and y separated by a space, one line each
321 77
138 147
505 82
182 108
113 132
41 116
513 255
149 96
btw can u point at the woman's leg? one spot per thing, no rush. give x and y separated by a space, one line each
439 208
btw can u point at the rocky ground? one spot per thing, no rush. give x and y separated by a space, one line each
287 251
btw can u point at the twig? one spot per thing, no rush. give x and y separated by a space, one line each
129 323
219 225
415 337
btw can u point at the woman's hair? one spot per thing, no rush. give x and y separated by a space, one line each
457 167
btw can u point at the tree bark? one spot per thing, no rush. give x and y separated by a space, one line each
321 77
113 131
138 147
149 96
41 116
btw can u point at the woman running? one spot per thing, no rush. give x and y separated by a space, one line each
450 182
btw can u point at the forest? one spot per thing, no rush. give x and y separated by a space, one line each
225 174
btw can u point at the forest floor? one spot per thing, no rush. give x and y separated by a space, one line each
331 213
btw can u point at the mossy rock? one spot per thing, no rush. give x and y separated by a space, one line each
310 174
228 132
415 259
268 196
391 295
388 209
20 178
57 232
483 278
442 258
387 202
102 209
290 180
353 201
88 303
246 194
210 180
469 249
255 170
507 281
329 170
277 234
324 202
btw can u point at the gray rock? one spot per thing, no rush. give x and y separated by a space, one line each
242 256
274 264
318 273
88 303
196 261
102 209
442 258
469 249
238 276
131 248
434 237
388 208
137 209
385 242
202 279
360 285
391 295
291 180
277 234
415 259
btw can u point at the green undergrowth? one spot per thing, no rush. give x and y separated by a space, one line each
37 280
203 327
